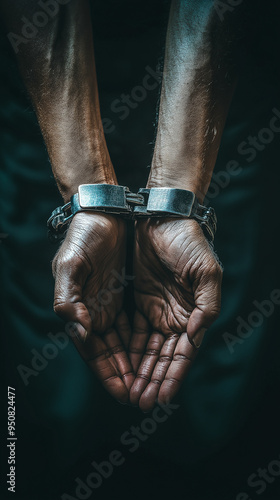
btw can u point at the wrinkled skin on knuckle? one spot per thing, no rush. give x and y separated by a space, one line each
207 289
75 259
203 262
70 255
215 272
212 313
59 308
204 273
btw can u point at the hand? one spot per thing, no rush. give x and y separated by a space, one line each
177 292
89 281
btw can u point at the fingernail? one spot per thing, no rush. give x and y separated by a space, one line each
198 338
80 332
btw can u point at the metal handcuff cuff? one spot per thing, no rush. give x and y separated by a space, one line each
118 200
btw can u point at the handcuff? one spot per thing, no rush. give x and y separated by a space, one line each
119 200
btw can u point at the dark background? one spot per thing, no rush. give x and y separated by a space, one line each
227 423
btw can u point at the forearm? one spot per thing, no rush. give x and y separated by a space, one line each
58 69
200 72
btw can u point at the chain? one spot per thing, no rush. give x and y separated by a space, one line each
61 217
135 206
59 221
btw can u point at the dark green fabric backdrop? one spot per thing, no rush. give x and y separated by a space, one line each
226 423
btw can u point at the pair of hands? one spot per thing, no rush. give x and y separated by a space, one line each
177 282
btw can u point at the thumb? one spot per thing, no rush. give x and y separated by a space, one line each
207 297
195 328
68 304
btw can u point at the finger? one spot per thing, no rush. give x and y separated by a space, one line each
140 336
69 282
118 356
150 394
183 356
146 367
123 328
207 296
95 352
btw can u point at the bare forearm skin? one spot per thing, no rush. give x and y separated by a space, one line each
200 73
58 69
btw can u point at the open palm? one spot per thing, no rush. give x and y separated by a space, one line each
177 292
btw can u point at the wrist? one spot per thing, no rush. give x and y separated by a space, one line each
91 172
82 160
67 191
172 179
